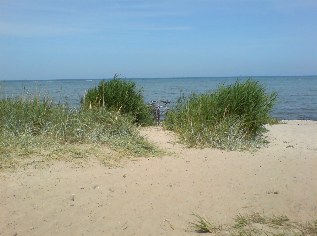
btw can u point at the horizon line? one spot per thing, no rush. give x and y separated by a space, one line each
171 77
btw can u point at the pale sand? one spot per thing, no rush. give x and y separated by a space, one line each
157 196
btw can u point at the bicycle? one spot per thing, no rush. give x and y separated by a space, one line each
159 110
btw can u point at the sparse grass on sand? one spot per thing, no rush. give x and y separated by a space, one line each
43 130
255 225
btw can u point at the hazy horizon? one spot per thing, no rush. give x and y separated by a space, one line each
169 77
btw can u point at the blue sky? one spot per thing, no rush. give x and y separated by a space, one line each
77 39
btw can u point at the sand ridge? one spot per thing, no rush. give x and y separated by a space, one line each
156 196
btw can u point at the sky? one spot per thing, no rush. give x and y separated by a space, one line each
95 39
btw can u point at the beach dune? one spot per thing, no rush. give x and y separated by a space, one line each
158 195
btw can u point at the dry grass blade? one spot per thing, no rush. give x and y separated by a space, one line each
201 225
279 220
241 221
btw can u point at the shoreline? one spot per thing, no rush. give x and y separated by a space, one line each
302 102
153 196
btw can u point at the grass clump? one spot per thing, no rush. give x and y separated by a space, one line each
121 96
201 225
31 127
256 225
233 117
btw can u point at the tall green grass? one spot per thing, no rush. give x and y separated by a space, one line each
121 96
32 124
233 117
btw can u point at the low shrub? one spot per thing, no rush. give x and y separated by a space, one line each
232 117
120 96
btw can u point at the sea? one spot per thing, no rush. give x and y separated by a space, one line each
297 95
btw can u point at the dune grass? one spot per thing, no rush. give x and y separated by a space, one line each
36 126
202 225
232 117
120 96
255 225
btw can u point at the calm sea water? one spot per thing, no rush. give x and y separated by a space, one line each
297 95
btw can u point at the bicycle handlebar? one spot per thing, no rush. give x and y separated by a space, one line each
165 102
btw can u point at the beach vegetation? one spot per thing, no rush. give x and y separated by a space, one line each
35 126
119 95
202 225
232 117
255 225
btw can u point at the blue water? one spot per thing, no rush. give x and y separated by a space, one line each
297 95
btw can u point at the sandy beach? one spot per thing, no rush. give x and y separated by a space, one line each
158 195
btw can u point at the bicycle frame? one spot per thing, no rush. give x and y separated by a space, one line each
159 110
